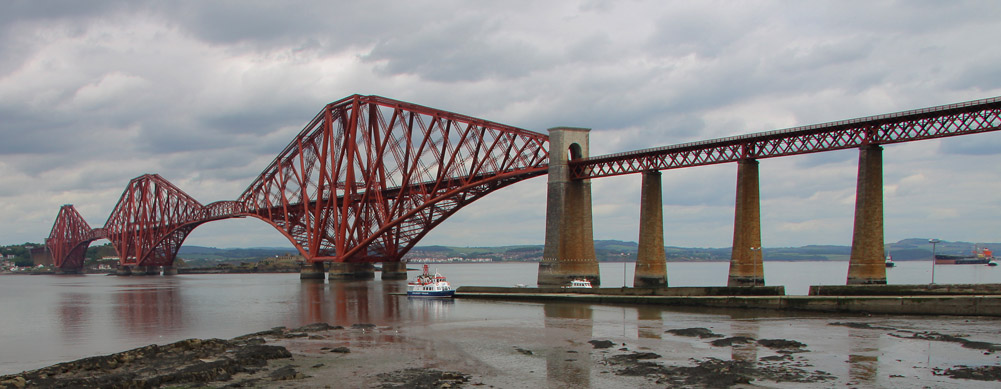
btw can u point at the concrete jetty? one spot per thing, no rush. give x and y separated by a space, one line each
939 299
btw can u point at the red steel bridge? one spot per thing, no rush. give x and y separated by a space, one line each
364 181
368 177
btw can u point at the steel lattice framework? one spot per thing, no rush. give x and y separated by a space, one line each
69 238
929 123
151 220
369 177
364 181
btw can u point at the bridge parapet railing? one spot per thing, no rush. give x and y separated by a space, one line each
802 129
223 209
97 233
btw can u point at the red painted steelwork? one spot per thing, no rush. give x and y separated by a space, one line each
369 176
151 220
365 180
69 238
929 123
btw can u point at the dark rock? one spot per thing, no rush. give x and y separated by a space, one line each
976 345
731 341
979 373
710 372
275 332
781 344
362 326
421 378
342 350
253 341
315 327
865 326
258 355
523 351
701 333
601 343
286 373
187 362
626 358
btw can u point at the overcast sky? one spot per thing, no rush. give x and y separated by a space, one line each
206 94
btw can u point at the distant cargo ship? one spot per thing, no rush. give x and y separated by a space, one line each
980 257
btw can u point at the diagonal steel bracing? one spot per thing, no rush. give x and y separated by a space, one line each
365 180
929 123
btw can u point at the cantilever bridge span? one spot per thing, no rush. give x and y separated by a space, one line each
363 182
368 177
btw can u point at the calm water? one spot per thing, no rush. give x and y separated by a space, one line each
48 319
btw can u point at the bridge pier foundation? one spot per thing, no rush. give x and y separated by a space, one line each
866 264
123 270
149 270
651 261
569 251
68 270
746 266
312 271
169 270
394 270
351 271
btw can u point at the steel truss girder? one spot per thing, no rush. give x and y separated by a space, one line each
365 180
929 123
369 176
151 221
69 239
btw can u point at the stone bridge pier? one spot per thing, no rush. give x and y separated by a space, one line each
569 250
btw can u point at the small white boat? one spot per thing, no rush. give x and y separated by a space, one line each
579 283
427 285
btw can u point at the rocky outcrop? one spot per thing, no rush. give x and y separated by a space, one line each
191 361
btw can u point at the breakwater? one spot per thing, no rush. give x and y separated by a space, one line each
963 300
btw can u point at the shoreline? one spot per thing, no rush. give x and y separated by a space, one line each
366 355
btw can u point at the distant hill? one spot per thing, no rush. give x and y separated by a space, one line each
607 251
198 256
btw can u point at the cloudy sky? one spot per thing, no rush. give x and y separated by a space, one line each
95 93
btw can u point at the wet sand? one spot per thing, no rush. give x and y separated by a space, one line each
572 350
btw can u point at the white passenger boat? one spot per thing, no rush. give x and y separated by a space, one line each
579 283
427 285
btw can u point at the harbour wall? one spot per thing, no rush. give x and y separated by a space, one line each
981 300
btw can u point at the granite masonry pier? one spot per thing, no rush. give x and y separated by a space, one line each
937 299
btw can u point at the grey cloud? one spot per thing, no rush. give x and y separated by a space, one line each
700 31
981 74
467 50
982 144
261 117
207 93
14 11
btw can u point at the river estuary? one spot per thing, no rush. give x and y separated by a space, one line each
47 319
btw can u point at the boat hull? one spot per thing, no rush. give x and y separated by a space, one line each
973 261
430 293
960 260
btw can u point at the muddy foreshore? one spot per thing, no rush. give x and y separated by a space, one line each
364 355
